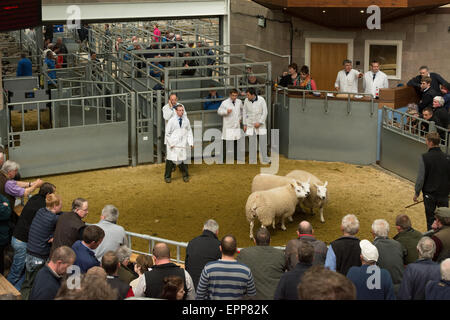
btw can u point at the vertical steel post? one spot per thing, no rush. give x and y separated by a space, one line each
133 129
159 120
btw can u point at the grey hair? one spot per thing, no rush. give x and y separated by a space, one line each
445 269
350 224
123 253
439 99
211 225
380 228
10 165
426 248
110 213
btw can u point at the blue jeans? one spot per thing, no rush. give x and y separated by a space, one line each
17 272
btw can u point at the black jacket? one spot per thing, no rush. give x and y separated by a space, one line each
46 285
427 99
26 217
436 80
437 173
347 252
200 251
287 287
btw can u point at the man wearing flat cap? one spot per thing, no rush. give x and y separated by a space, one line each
433 178
441 236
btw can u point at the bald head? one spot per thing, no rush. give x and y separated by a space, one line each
445 269
305 227
161 251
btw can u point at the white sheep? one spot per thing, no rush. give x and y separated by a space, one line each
273 204
318 196
264 181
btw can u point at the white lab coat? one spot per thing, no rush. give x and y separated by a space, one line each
231 128
168 113
178 139
254 112
347 83
370 85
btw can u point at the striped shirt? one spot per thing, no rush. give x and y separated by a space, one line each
225 280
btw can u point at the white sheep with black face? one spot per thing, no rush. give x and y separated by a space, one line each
268 206
318 196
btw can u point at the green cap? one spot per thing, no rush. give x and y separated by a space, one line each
442 212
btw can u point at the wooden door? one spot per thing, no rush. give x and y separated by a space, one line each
326 62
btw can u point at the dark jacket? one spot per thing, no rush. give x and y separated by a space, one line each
26 217
437 173
427 99
436 81
200 251
291 251
437 290
154 279
68 230
409 240
287 287
46 285
5 214
391 257
415 278
347 252
85 257
122 287
126 274
267 265
41 231
360 278
442 240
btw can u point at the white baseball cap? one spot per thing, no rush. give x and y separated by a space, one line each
368 250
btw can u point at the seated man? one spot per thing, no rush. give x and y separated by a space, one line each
214 104
428 94
111 264
84 249
441 115
446 94
428 115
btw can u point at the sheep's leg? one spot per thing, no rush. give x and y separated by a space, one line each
321 215
290 219
283 227
311 211
273 223
251 229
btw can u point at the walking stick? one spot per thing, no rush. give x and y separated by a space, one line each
412 205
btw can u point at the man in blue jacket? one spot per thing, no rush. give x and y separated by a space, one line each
24 67
213 104
417 274
48 279
84 249
371 282
440 290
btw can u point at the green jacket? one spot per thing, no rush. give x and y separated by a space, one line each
267 265
409 240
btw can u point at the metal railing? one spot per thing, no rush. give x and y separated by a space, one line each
412 126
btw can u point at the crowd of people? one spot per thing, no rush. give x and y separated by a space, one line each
58 256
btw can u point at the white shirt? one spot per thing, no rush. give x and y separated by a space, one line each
190 294
255 112
168 113
178 138
231 129
370 85
347 82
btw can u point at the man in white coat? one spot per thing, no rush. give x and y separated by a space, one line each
169 111
375 80
347 79
231 111
254 117
179 139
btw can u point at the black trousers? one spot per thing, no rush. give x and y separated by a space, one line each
2 257
169 165
232 147
431 202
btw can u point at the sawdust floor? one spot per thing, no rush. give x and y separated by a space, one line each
177 210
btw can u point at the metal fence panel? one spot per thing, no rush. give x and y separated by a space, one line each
332 130
63 150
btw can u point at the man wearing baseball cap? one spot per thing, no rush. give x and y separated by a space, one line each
442 234
371 282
